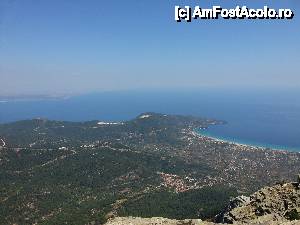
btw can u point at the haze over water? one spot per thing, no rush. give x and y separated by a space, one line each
269 118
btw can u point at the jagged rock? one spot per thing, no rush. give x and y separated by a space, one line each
278 203
234 203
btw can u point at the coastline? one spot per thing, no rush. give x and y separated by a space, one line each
243 144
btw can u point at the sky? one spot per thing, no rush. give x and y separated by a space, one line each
71 47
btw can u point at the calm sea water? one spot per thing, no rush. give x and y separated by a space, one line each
269 118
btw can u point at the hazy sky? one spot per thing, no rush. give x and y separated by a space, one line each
56 46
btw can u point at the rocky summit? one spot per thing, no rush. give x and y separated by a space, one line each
278 203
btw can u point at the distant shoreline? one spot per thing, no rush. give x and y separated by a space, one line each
4 99
241 143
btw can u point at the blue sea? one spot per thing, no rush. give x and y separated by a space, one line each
267 118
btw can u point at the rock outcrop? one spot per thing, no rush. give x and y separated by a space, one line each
278 203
